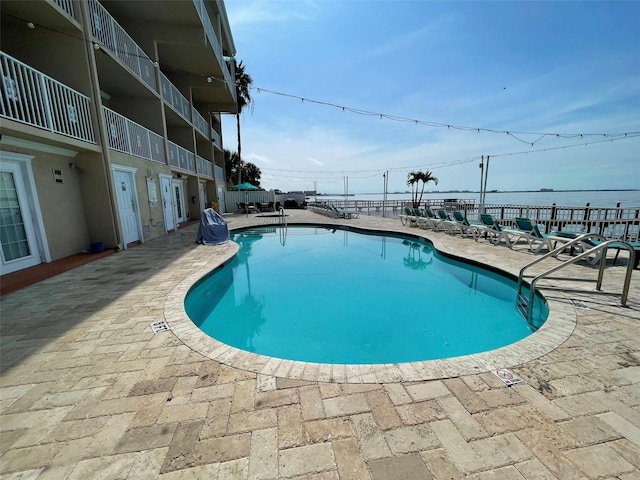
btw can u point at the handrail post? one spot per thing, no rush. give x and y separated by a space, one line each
602 248
603 261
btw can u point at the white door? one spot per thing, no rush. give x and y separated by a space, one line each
221 199
17 233
178 200
167 203
127 206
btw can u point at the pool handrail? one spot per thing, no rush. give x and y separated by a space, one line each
600 247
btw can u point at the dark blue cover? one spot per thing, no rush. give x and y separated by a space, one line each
213 228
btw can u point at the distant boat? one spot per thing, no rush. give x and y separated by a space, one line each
546 189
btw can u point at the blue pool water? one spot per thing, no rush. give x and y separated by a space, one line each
340 296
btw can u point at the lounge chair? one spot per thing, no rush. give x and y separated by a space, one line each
449 225
408 217
497 233
342 213
467 227
533 235
587 243
431 220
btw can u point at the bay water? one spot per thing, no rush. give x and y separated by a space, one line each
574 198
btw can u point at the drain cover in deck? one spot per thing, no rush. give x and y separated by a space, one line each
507 376
161 326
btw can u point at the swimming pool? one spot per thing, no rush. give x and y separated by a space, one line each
339 296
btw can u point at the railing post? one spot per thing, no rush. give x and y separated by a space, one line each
46 99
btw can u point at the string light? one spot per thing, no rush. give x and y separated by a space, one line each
512 133
443 164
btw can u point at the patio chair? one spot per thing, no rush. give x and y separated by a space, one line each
448 224
587 243
533 235
466 227
431 220
342 213
497 233
408 217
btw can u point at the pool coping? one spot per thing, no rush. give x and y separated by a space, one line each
559 326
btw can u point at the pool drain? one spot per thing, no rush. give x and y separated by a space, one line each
161 326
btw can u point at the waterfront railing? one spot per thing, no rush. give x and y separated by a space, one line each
618 222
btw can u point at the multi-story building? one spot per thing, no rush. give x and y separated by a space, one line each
110 121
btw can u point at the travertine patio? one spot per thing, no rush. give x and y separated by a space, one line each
88 391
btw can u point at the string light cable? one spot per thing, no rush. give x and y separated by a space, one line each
515 134
512 133
444 164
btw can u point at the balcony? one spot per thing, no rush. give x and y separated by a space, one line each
33 98
173 97
205 167
67 6
215 45
215 138
126 136
181 158
200 123
112 37
188 39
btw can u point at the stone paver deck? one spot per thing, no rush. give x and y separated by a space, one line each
87 390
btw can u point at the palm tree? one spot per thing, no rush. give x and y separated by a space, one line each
243 85
414 179
231 166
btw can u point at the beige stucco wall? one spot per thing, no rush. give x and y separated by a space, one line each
151 217
61 204
96 199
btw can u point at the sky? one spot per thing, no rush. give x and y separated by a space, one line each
348 91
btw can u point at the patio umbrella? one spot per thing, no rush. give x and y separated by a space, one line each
246 187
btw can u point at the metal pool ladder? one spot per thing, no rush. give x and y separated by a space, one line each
524 303
283 230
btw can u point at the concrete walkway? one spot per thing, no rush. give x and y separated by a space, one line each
88 391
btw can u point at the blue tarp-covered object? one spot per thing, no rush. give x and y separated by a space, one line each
213 228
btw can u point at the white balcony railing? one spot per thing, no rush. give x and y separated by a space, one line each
205 168
215 44
129 137
174 98
67 6
219 173
200 123
181 158
112 36
215 138
33 98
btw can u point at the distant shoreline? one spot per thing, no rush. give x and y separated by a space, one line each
490 191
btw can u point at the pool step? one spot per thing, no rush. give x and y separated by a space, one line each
523 305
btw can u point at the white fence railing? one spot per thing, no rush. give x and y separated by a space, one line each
613 223
129 137
181 158
215 138
200 123
31 97
205 168
174 98
112 36
67 6
215 44
219 173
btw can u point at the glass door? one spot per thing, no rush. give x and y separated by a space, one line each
17 235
